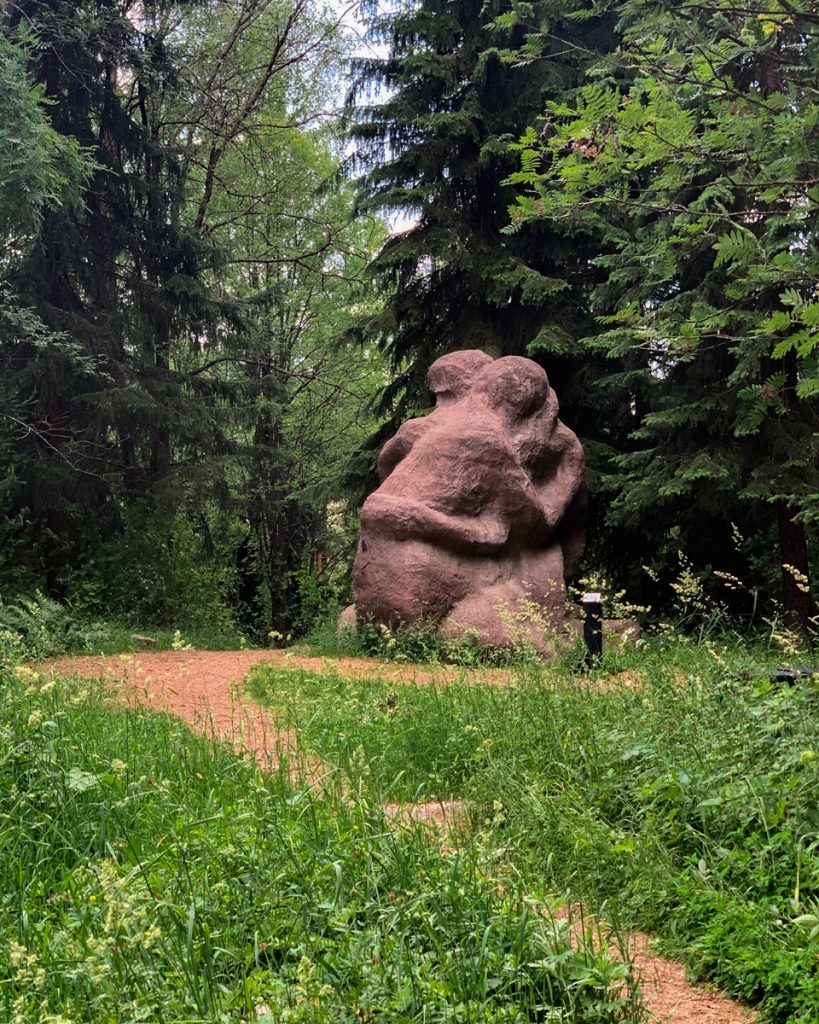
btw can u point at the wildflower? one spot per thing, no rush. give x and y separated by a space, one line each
151 936
35 716
97 972
19 1011
178 643
22 961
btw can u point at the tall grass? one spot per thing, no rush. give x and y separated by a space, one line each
678 787
151 875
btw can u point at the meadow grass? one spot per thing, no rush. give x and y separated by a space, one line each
677 787
152 875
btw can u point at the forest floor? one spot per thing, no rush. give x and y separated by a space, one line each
206 690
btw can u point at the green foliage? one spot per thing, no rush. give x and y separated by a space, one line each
758 953
151 874
398 742
675 788
432 151
175 272
38 627
38 166
157 572
691 153
421 643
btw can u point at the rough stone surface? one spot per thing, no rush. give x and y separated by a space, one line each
479 516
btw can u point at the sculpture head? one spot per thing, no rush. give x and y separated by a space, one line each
478 503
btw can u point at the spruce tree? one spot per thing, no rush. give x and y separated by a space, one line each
431 123
116 274
693 155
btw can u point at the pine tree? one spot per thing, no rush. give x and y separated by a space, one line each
114 274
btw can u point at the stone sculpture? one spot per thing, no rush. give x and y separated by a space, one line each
480 510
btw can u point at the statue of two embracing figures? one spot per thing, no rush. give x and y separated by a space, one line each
479 519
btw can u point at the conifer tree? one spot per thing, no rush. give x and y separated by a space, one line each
431 124
693 154
116 274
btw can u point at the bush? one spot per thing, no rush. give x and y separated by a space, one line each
156 573
37 627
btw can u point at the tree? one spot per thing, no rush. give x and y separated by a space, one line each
98 272
291 256
38 168
693 155
194 282
432 144
296 264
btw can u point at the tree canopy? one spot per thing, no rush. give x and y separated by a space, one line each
691 152
219 296
175 272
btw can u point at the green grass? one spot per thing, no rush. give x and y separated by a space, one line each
36 627
686 804
120 639
404 742
150 875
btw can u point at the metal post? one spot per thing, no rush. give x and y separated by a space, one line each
593 628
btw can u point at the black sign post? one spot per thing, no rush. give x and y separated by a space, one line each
593 628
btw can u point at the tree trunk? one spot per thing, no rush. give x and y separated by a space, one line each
793 554
161 442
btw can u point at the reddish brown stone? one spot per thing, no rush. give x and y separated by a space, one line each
479 515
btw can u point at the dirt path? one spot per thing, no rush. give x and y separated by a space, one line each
675 1000
204 688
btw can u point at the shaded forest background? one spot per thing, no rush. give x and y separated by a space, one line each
220 286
